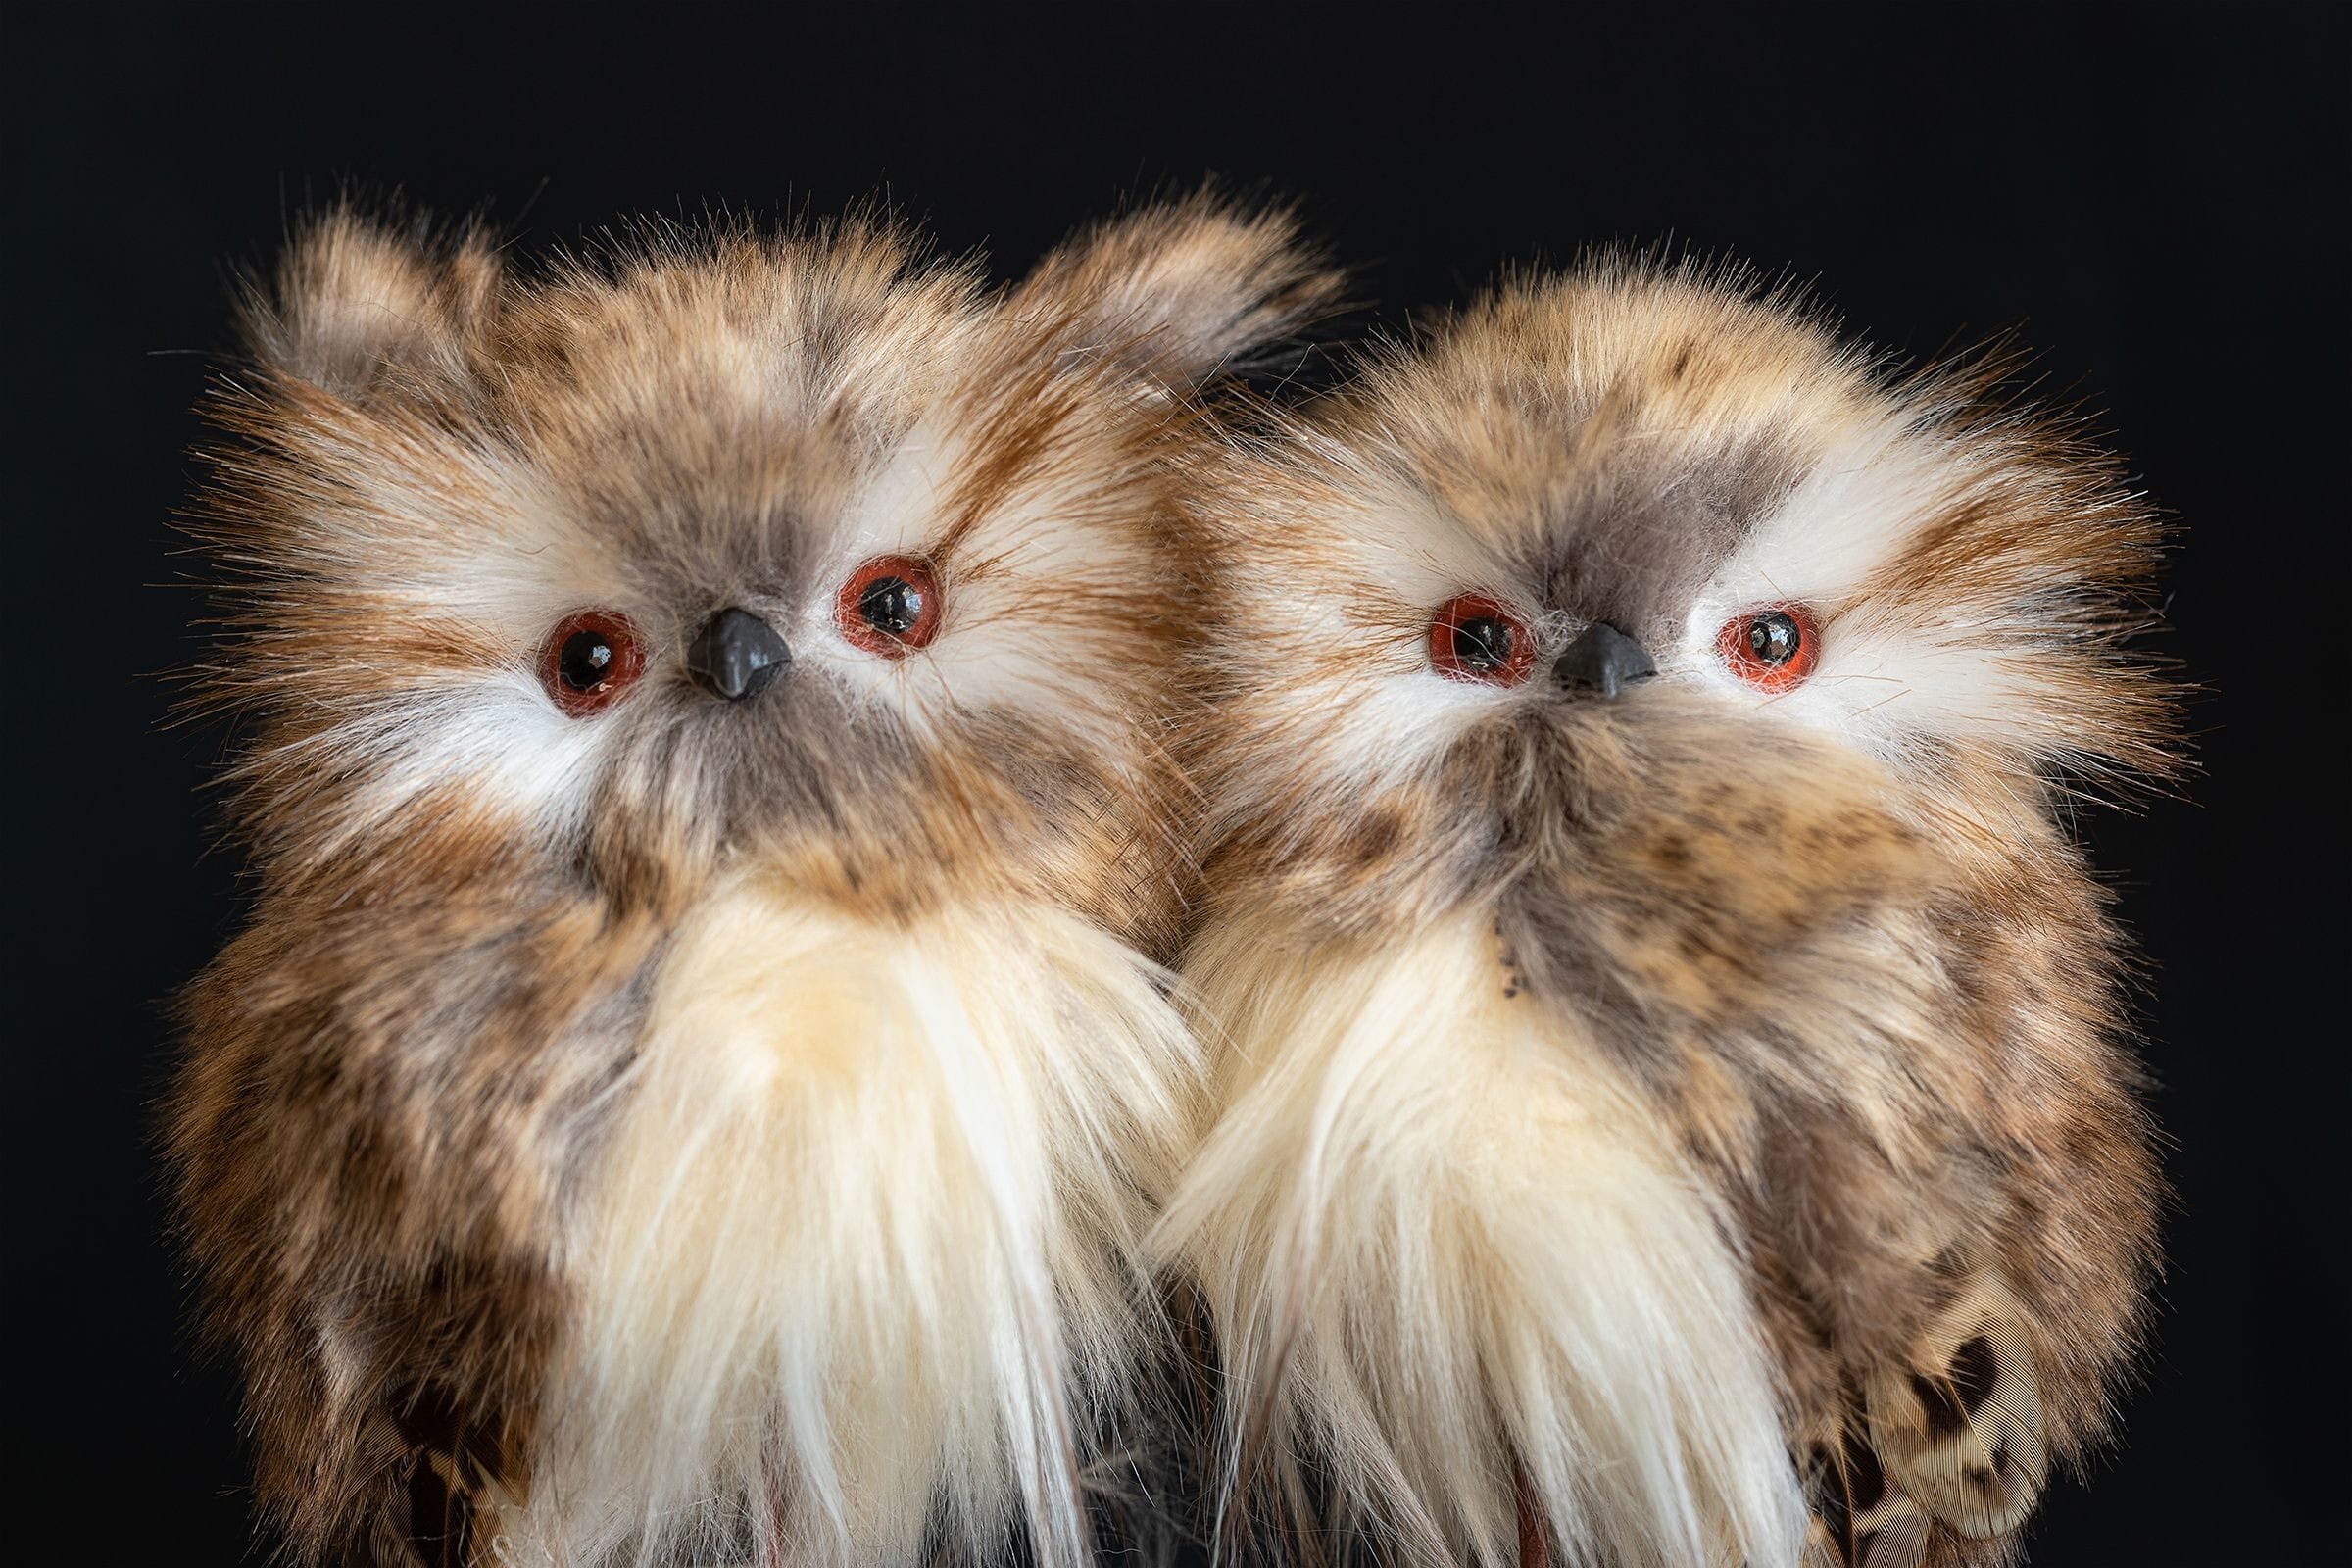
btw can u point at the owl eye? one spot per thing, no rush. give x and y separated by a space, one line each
890 606
1770 649
590 660
1476 638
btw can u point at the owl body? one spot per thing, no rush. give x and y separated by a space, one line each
696 1077
1668 1101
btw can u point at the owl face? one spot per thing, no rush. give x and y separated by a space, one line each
801 549
1636 554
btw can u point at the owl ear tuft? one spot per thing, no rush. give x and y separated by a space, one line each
356 305
1185 291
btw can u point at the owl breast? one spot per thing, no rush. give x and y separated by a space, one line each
1696 891
1485 1201
868 1206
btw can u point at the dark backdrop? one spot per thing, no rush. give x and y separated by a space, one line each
2156 196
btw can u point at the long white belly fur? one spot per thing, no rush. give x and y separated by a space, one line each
864 1250
1440 1231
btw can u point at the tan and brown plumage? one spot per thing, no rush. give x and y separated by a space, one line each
694 1077
1673 1100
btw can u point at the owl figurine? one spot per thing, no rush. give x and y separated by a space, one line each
1671 1104
696 1079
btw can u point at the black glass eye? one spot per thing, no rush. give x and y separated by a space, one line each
1772 650
1774 638
1475 638
1483 643
589 659
585 660
891 605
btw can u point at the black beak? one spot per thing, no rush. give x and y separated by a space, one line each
1604 660
735 655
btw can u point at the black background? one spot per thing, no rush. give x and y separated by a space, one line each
2155 196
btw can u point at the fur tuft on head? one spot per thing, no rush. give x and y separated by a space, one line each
1189 290
356 299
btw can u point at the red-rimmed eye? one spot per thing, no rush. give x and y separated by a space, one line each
590 660
890 606
1770 649
1476 638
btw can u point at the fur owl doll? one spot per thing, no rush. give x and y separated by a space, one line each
1665 1037
694 1080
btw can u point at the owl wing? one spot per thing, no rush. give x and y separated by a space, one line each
450 1470
1947 1456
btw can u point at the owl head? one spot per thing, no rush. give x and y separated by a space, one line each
1611 544
719 544
1652 703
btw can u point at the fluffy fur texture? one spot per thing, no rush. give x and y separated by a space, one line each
702 1131
771 1314
1373 1191
1768 1183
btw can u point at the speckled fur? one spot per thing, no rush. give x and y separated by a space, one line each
1839 942
407 1077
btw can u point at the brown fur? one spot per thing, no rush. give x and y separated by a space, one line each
1875 995
399 1071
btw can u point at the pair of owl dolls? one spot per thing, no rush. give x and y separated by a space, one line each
891 925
